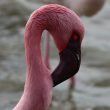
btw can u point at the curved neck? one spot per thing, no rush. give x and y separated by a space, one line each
32 50
38 85
36 69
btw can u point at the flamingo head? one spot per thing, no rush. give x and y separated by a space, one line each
67 31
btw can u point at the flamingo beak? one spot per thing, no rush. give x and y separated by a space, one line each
70 59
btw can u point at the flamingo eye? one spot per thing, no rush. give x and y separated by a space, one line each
75 36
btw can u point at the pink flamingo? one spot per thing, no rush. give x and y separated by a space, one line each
67 32
82 8
87 7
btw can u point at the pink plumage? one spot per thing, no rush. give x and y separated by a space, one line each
61 22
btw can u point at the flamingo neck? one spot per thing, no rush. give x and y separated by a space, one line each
38 85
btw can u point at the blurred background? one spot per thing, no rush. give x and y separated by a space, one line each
92 83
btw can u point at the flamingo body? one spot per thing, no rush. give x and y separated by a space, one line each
87 7
81 7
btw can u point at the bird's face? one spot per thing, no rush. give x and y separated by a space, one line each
70 58
67 31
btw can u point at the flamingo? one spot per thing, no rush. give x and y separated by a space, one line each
67 31
81 7
86 8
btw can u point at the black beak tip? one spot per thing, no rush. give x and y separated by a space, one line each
70 59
